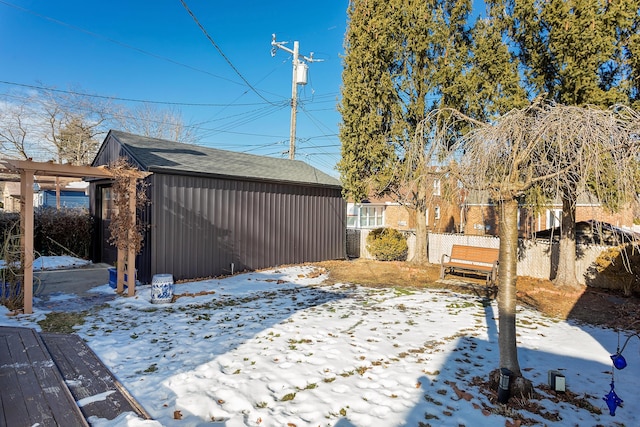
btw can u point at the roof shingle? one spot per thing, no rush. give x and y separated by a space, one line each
159 155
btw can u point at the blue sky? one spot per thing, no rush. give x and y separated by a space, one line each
154 51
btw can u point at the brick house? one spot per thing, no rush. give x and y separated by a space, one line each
480 215
475 214
374 212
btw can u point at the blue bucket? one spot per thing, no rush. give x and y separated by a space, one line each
113 278
7 292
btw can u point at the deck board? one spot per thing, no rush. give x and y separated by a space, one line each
12 403
32 390
88 378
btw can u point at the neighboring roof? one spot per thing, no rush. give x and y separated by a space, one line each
159 155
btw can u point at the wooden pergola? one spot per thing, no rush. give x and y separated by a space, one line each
27 169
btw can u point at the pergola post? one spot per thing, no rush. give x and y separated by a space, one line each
26 237
131 250
120 262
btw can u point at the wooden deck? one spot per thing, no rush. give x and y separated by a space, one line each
56 380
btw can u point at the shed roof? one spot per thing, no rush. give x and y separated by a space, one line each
159 155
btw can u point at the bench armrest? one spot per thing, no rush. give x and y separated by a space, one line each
443 256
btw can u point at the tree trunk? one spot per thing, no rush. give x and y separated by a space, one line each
566 273
420 255
508 264
507 277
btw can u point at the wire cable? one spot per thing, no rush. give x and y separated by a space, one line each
115 98
204 31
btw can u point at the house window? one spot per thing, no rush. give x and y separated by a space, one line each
371 216
108 206
352 215
364 216
554 218
436 187
427 214
436 213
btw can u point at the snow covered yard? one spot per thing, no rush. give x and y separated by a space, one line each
279 348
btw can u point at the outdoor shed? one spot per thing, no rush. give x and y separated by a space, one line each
213 212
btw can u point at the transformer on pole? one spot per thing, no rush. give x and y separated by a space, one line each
300 72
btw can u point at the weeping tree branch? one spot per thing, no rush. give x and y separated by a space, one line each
547 147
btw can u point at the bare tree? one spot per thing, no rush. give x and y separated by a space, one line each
74 124
147 120
521 150
38 125
14 130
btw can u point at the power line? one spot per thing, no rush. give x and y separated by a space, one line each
199 127
115 98
204 31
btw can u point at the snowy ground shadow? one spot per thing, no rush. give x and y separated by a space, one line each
587 371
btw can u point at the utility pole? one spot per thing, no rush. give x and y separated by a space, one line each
300 70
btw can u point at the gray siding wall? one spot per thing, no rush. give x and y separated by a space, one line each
201 226
112 151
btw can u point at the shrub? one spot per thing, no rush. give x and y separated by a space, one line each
387 244
55 232
66 231
8 220
620 265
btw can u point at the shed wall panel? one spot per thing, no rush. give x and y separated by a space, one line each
203 226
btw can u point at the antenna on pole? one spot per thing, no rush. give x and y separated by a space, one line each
300 71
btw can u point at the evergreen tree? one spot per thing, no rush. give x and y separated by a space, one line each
76 143
402 59
493 81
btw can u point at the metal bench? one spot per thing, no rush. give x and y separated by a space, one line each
471 259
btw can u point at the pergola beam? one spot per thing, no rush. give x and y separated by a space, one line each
55 169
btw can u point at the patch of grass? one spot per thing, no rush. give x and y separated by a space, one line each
402 291
400 275
64 323
465 304
288 397
151 368
362 369
432 400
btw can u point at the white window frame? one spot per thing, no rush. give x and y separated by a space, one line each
437 187
554 218
352 215
373 215
365 215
